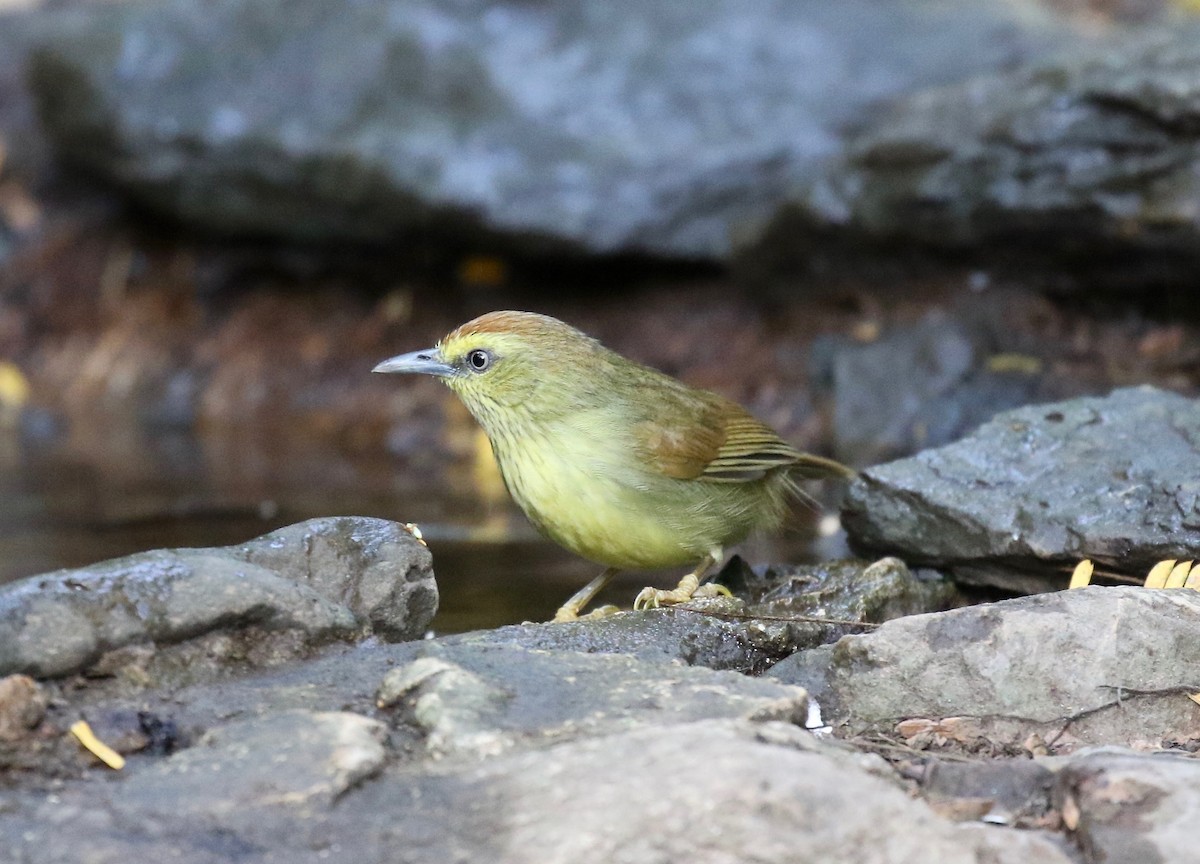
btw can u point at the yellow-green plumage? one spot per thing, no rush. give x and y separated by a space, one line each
613 460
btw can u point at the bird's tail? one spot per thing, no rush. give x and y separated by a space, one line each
810 467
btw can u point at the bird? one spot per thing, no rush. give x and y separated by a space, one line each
617 462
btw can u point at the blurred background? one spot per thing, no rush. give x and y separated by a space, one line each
875 223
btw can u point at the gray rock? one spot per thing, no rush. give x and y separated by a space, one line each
298 760
793 607
707 633
372 566
1088 666
455 709
1019 502
493 700
1008 790
64 621
613 127
946 390
1005 844
1091 156
703 792
714 791
1127 807
777 612
471 699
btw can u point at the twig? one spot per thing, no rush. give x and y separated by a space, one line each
787 619
1122 693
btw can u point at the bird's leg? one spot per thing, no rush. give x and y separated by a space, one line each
569 611
689 586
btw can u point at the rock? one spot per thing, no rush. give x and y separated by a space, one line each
947 389
1126 807
372 566
708 791
63 622
1088 666
785 604
50 627
492 700
455 709
621 127
1010 790
1028 495
713 634
22 706
301 761
468 698
1088 157
1005 844
133 731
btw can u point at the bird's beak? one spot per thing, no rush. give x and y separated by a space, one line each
427 362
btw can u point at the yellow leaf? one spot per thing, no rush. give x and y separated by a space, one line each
1193 580
110 757
1179 575
1157 577
1082 575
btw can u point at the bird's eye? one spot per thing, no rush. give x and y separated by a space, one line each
479 360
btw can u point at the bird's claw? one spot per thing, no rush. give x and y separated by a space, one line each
648 598
565 615
652 598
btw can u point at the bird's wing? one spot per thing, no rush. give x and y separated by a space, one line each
719 441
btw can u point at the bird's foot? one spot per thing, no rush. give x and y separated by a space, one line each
569 611
566 614
652 598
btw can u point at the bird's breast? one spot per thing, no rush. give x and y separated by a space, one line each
581 491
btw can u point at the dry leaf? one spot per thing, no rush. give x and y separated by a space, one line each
1157 577
110 757
1082 574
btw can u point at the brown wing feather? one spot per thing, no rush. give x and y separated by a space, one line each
720 442
681 450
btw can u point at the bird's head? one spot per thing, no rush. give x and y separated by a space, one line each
506 363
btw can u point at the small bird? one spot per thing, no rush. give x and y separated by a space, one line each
616 461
